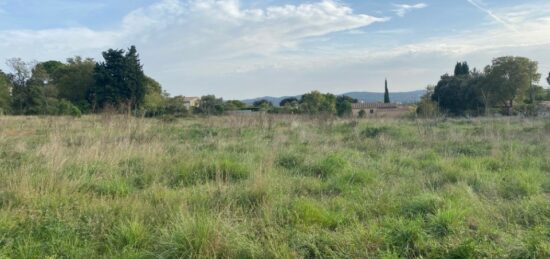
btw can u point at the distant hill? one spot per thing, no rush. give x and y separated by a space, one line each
399 97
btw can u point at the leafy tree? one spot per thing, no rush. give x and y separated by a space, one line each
135 77
316 103
234 105
119 80
155 98
386 93
458 95
344 105
509 80
263 104
288 100
427 107
5 96
548 79
210 105
75 80
462 69
27 95
290 105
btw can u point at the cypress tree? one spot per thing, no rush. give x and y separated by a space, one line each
387 93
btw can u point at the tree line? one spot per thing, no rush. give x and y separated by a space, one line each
119 84
508 86
77 86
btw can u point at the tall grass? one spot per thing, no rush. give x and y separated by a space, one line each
274 187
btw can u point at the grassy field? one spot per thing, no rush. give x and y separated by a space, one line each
274 187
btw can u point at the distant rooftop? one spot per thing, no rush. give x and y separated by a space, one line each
374 106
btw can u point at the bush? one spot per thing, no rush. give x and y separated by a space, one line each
65 107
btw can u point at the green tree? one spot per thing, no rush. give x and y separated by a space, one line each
135 78
344 105
27 95
386 93
458 95
548 78
210 105
427 107
290 105
5 96
509 80
234 105
75 81
318 103
462 69
120 80
288 100
263 104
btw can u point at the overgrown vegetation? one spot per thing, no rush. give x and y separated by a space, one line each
507 86
273 187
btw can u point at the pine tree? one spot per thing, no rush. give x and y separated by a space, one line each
387 94
120 80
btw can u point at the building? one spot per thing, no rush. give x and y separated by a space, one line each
379 110
191 102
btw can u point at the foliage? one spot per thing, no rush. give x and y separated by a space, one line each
120 81
5 96
427 108
362 114
318 103
509 80
462 69
344 105
234 105
75 80
27 95
65 107
290 105
459 95
210 105
287 101
263 104
386 93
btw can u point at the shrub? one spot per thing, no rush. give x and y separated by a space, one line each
65 107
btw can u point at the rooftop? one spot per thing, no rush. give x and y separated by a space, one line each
374 106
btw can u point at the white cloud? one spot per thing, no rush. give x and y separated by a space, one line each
211 28
198 47
402 9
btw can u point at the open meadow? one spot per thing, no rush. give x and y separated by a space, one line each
274 187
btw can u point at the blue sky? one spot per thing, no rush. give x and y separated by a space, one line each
250 48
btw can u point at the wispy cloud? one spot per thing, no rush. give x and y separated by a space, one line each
402 9
492 15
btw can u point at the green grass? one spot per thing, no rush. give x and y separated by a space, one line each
274 187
